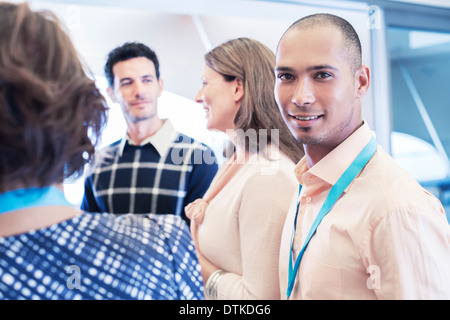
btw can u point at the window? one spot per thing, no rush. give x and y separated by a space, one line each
420 141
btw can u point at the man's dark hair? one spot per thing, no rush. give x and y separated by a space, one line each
350 38
125 52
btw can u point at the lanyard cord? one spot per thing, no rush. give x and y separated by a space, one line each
338 188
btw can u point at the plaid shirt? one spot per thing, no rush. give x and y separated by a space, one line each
160 177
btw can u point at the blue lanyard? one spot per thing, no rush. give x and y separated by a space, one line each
32 197
338 188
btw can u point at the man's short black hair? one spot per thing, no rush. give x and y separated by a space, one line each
125 52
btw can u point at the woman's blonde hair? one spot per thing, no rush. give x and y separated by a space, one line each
253 64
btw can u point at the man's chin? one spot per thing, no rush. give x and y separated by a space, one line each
308 139
303 135
141 117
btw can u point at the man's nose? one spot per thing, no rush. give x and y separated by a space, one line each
303 94
138 89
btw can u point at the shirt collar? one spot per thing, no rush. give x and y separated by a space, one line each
161 140
333 165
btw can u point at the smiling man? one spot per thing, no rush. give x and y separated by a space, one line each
154 169
362 228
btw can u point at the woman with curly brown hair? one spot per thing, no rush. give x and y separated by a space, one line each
51 116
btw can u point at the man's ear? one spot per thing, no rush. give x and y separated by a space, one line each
362 80
110 92
161 86
238 90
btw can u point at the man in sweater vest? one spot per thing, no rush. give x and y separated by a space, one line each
154 168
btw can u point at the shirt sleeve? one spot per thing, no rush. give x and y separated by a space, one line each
264 206
408 251
89 203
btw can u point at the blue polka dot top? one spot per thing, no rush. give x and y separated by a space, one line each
99 256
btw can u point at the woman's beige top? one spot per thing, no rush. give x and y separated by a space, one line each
242 226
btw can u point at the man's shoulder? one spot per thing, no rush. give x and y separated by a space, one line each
104 156
114 145
195 152
388 186
184 138
110 148
184 141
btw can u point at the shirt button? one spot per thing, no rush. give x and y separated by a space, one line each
308 199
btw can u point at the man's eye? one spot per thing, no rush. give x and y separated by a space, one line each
323 75
285 76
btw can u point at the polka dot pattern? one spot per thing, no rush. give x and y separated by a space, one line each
99 256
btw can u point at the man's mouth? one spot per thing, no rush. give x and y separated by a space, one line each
139 103
306 118
306 121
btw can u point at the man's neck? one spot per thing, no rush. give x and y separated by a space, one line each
316 152
141 130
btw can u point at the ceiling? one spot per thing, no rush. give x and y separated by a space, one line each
180 32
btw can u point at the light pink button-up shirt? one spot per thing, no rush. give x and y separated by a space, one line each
385 238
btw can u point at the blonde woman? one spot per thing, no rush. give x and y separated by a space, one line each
237 225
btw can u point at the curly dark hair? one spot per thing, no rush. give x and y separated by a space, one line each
51 113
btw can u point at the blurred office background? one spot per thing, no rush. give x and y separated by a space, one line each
406 44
